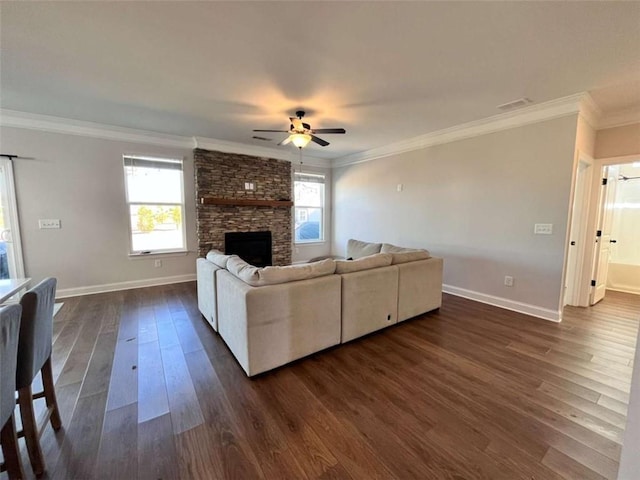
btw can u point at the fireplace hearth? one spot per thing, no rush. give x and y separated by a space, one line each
252 247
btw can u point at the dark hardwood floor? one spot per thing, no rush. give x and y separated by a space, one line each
148 390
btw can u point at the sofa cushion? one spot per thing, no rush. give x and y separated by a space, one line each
404 255
258 277
364 263
219 258
358 249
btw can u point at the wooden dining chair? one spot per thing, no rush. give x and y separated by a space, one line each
9 331
34 355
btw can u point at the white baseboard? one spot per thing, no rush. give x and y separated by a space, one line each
624 289
527 309
113 287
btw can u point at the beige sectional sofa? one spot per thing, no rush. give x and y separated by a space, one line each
273 315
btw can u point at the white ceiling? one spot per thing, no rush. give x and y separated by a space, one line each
385 71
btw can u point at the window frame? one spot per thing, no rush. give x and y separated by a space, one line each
322 208
160 158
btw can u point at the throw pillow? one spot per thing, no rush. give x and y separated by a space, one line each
364 263
358 249
258 277
404 255
219 258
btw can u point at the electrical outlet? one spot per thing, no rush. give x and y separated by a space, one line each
49 223
157 263
543 228
400 187
508 281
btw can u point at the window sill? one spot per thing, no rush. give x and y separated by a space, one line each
166 253
309 244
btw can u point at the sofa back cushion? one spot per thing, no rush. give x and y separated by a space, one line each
219 258
404 255
358 249
258 277
364 263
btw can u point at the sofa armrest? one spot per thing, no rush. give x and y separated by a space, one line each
419 287
206 279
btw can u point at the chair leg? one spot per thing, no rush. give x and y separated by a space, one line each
10 450
50 394
30 428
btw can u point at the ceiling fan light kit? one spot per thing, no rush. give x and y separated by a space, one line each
300 134
300 140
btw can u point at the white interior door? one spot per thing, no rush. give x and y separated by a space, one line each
577 236
11 265
603 240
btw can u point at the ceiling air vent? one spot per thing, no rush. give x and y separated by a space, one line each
264 139
519 103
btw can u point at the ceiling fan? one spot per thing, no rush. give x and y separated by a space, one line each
300 134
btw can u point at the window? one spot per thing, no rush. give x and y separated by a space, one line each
155 197
309 207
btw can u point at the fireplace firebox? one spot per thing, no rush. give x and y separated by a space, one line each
252 247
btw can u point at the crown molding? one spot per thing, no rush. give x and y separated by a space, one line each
49 123
535 113
590 111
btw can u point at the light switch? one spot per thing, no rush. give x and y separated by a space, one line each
49 223
543 228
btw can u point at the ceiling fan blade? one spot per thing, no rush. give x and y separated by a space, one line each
278 131
285 141
297 123
329 130
319 141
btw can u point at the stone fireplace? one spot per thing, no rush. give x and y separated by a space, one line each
242 193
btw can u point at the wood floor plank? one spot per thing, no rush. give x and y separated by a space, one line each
123 385
568 467
153 401
237 457
183 402
156 449
118 454
80 447
99 369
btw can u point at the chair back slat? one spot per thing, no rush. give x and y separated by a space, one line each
9 330
36 331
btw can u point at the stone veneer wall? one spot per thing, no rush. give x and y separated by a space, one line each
223 175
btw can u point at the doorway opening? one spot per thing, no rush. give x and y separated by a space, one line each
603 252
620 271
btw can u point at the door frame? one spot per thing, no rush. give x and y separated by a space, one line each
588 266
12 207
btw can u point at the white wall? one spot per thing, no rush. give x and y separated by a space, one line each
80 181
618 141
473 202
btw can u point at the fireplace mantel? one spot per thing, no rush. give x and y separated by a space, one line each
246 202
